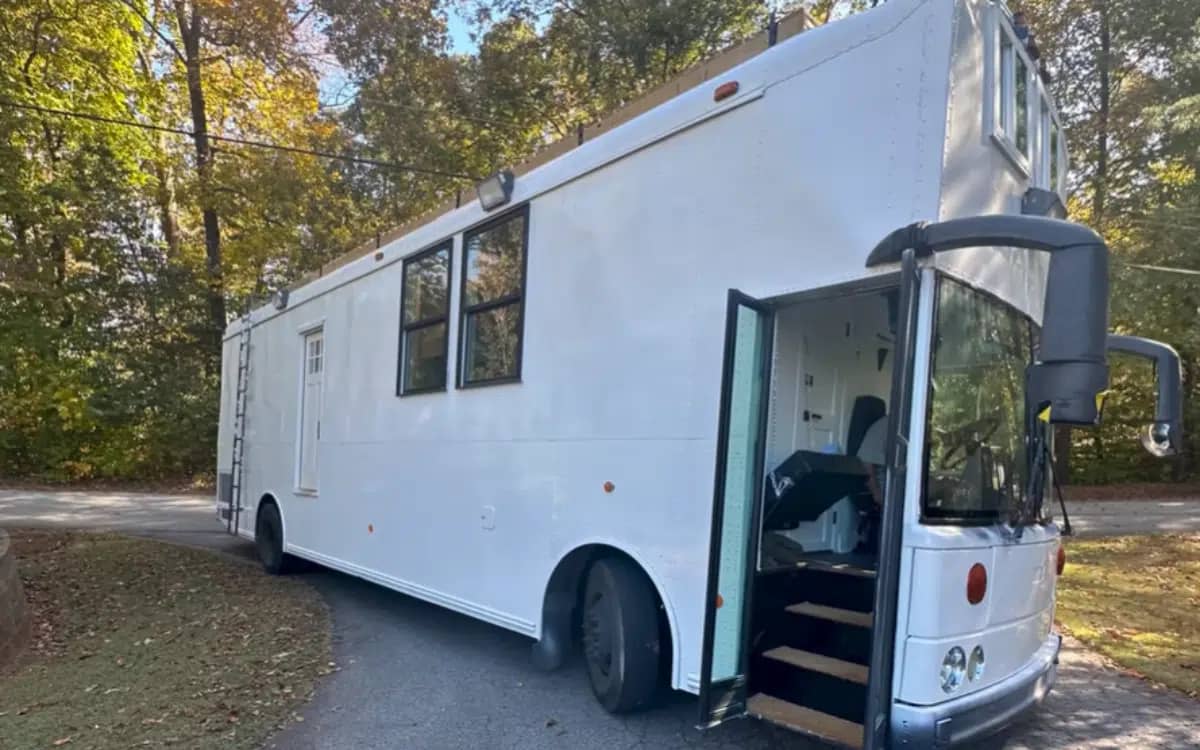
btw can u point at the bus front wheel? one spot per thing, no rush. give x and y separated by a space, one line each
620 635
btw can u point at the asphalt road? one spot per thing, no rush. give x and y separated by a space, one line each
1115 517
413 675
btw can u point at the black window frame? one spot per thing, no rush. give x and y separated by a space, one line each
970 518
446 245
465 310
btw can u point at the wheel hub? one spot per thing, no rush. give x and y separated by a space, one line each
597 635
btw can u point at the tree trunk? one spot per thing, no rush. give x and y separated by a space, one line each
189 34
167 208
1103 65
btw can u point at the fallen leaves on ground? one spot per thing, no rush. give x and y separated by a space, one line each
141 643
1135 599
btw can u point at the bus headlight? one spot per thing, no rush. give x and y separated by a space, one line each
975 664
954 668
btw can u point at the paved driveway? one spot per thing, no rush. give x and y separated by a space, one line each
417 676
1112 517
144 512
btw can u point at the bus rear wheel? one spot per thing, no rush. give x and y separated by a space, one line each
268 540
621 636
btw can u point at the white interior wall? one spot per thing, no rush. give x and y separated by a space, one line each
835 344
825 357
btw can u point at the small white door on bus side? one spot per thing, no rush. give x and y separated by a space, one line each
310 409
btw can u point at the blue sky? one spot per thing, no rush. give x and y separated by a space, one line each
459 27
336 88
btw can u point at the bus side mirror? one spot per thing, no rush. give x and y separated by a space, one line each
1070 370
1164 436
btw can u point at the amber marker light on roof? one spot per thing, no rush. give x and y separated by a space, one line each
725 90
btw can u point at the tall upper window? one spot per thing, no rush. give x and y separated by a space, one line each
493 299
425 303
1054 165
1008 57
1021 111
1015 90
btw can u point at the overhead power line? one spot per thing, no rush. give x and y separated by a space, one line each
240 141
1160 269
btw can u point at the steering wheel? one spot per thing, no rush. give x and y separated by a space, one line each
965 438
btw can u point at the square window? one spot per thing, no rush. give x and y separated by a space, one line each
493 294
495 262
315 355
492 339
427 286
424 317
425 358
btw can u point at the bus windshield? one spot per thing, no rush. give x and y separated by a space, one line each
976 467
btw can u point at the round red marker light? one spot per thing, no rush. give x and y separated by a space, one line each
976 583
609 486
725 90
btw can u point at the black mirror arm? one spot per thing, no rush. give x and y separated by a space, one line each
1165 437
1071 367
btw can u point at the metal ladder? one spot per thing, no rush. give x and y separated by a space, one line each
237 468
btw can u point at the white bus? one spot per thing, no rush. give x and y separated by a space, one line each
684 395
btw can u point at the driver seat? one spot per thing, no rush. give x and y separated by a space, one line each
866 411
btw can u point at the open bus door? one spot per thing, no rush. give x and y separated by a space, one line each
887 577
749 334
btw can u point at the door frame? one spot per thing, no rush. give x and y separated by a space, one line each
879 691
304 332
730 695
878 710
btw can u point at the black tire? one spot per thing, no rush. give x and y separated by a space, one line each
268 540
620 636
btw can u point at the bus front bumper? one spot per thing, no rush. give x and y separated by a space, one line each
977 715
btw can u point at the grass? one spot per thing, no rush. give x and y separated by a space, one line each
142 644
1136 600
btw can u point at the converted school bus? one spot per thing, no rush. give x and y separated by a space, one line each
683 394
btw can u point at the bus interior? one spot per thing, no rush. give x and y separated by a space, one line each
811 623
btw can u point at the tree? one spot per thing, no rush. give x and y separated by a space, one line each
112 295
1123 74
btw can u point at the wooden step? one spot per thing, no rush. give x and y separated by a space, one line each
843 670
844 568
806 720
844 616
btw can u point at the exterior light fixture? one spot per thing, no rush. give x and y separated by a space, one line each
725 90
496 190
280 299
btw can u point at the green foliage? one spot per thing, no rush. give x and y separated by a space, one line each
122 248
108 368
1127 80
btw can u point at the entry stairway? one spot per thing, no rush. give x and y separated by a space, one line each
809 670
